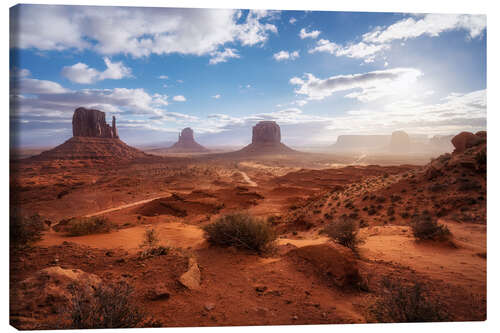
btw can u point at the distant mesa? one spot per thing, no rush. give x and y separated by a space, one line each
93 139
361 142
266 139
186 143
400 142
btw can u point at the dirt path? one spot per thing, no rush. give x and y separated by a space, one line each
248 179
109 210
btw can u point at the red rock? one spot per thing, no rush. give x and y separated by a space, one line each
186 143
332 262
464 140
92 123
266 132
266 139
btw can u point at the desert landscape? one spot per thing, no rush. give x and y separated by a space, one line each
107 235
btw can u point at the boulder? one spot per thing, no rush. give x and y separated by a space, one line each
92 123
331 262
266 132
51 288
464 140
192 278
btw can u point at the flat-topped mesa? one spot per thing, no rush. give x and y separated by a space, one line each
266 139
92 123
400 142
266 132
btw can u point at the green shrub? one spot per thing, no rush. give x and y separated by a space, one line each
87 226
108 306
425 227
344 232
401 303
25 230
242 231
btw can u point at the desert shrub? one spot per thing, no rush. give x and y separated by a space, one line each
241 230
108 306
425 227
344 231
88 226
151 245
25 230
401 303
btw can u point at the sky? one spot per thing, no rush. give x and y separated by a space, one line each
318 74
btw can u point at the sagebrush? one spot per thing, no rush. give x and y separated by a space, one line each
241 230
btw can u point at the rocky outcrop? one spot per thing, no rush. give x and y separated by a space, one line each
400 142
465 140
266 132
186 143
92 123
266 139
332 262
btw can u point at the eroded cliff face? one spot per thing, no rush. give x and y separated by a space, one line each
92 123
266 132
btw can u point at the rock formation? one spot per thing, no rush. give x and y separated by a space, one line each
186 143
92 123
364 142
266 132
400 142
466 140
266 138
92 139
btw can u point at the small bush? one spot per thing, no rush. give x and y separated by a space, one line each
151 245
425 227
25 230
88 226
109 306
344 231
242 231
406 304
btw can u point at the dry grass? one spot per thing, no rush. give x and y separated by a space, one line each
406 303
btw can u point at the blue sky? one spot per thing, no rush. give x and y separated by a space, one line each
318 74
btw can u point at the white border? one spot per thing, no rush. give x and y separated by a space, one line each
420 6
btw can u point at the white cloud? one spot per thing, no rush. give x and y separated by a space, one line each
292 20
285 55
162 77
379 39
136 31
324 45
222 56
368 86
360 50
83 74
216 96
28 86
19 72
179 98
431 25
312 34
